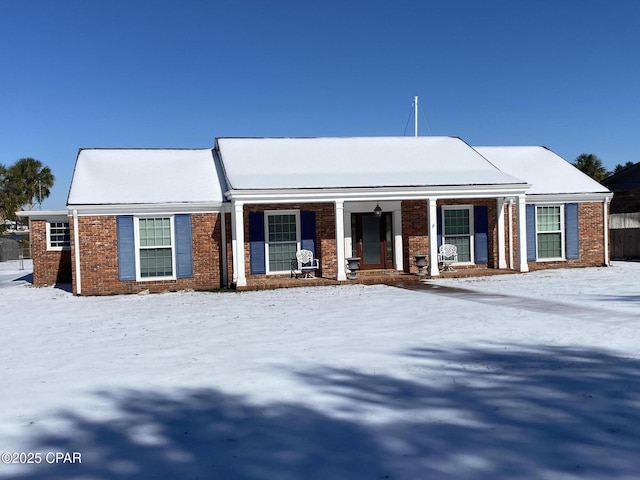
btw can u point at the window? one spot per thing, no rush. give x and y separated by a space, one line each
283 239
549 222
58 236
457 229
155 247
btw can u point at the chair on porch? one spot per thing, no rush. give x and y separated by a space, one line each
447 256
304 264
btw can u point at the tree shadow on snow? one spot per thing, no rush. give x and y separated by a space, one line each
497 412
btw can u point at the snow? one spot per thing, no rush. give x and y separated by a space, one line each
547 172
144 176
532 376
334 162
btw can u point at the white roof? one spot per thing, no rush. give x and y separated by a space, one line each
286 163
144 176
547 172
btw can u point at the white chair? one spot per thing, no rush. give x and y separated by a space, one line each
304 264
447 256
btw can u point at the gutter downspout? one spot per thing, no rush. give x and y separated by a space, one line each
76 243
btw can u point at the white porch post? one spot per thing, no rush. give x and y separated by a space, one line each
502 258
605 212
223 245
237 244
397 240
433 239
341 274
522 233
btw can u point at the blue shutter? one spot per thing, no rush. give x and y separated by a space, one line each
126 248
439 226
531 233
481 233
184 258
256 243
308 231
571 230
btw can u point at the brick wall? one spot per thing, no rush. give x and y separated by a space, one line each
99 258
49 266
325 234
415 232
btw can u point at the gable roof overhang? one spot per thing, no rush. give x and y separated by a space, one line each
376 193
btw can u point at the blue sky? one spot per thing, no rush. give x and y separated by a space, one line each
157 73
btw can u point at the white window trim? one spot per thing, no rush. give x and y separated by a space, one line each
562 234
471 231
268 213
136 236
48 233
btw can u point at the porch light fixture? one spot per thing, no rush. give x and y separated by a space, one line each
377 211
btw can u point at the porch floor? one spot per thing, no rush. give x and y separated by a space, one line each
369 277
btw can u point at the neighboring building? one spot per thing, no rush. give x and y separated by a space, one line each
236 215
625 212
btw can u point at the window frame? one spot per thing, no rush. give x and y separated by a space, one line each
298 241
56 248
136 237
562 231
471 233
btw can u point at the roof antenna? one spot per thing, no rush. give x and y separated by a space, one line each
415 121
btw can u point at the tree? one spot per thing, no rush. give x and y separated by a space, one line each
591 165
10 199
30 180
620 167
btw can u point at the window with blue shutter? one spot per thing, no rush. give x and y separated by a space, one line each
481 233
126 248
256 243
572 240
184 245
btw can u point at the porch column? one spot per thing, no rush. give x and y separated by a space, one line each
605 213
502 258
223 245
237 243
433 239
397 240
341 274
522 233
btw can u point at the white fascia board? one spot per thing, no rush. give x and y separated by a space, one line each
53 215
378 193
155 209
568 198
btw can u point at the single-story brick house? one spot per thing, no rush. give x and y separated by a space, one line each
234 215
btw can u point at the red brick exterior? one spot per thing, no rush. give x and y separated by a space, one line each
99 253
99 258
49 266
415 232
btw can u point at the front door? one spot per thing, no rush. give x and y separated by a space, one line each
372 240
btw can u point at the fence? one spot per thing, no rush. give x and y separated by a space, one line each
624 235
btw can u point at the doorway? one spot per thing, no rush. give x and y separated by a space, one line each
372 240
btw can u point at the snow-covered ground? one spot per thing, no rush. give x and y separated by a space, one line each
532 376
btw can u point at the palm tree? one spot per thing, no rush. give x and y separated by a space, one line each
620 167
591 165
10 199
31 179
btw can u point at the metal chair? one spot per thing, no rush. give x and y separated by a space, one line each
447 256
305 265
